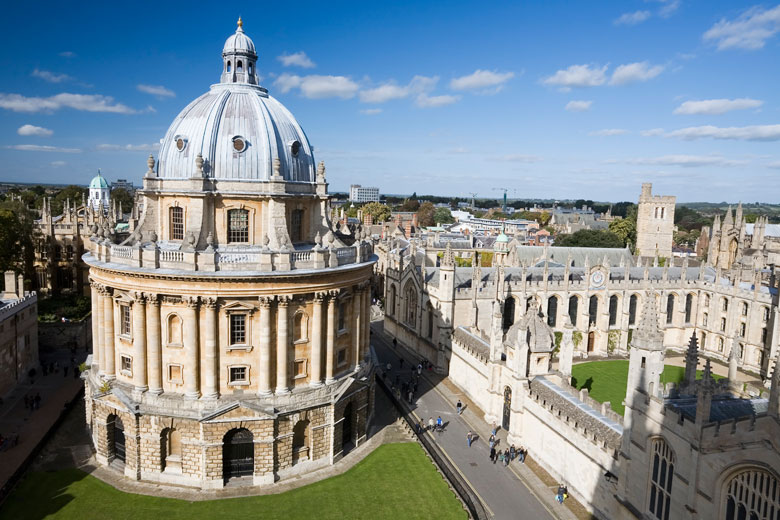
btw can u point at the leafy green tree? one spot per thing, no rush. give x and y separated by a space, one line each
17 235
410 205
380 212
443 216
425 214
589 238
625 229
122 196
72 192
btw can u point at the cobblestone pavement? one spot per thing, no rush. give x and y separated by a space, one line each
512 492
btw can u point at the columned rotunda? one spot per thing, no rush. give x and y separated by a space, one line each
231 327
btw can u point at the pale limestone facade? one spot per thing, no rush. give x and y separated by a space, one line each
232 326
18 332
654 223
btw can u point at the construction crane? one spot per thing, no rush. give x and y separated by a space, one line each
505 190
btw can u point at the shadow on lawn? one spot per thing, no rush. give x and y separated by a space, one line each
41 495
588 384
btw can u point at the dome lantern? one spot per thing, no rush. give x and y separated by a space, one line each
239 58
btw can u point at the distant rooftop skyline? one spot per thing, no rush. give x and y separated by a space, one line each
553 100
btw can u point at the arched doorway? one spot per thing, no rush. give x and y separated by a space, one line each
507 408
238 454
117 432
591 341
346 428
300 441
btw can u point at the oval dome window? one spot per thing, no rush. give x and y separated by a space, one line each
295 147
239 144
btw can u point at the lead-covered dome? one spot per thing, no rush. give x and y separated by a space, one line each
237 128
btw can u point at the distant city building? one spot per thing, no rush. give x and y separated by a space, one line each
124 184
358 193
18 332
98 192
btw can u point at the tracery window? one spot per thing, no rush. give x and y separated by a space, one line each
411 305
688 307
238 225
752 494
573 304
593 309
632 303
613 304
661 476
552 311
669 308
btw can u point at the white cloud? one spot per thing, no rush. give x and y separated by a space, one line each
57 164
384 93
578 106
669 7
41 148
426 101
632 18
686 161
318 87
127 147
49 76
578 76
68 54
750 30
482 79
736 133
299 59
515 157
609 132
634 72
652 132
156 90
37 131
717 106
84 102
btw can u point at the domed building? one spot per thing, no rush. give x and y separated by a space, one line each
231 325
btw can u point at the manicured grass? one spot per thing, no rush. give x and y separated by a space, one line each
606 380
395 481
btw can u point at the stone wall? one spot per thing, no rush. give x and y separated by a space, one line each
73 334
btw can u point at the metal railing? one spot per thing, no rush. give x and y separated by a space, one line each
462 488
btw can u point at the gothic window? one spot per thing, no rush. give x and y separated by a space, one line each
69 253
411 305
744 309
509 314
720 344
124 320
573 303
688 307
552 311
703 340
238 225
725 304
239 66
57 253
742 329
613 307
752 494
669 308
706 300
593 309
177 223
763 336
296 225
723 324
238 329
766 313
661 476
391 301
300 327
632 303
174 330
429 312
704 318
741 351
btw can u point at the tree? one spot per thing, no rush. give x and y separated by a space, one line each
443 216
625 229
425 214
590 238
17 234
72 192
410 205
380 212
123 197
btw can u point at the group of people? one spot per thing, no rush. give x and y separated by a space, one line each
496 455
562 494
32 402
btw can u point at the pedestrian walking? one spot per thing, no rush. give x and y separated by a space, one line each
495 429
430 423
439 423
492 454
512 452
419 369
506 457
470 438
459 406
411 397
521 454
389 368
395 343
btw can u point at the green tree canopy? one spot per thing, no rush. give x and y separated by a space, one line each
624 228
380 212
121 195
589 238
425 214
17 235
443 216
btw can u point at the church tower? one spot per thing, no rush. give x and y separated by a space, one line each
646 361
98 193
654 223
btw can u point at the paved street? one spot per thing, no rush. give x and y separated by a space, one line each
501 489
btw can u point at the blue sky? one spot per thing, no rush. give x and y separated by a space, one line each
549 99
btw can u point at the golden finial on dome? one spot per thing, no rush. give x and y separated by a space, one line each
240 23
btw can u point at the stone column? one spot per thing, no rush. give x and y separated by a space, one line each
97 327
107 358
367 321
264 387
191 354
211 387
154 343
330 337
139 343
357 328
282 344
316 341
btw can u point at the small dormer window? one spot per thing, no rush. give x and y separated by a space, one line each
239 144
181 142
295 147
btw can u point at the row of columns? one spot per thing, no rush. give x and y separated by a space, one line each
147 340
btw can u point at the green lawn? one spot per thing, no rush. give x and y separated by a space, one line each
606 380
395 481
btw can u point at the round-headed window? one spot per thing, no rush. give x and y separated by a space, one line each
239 144
295 147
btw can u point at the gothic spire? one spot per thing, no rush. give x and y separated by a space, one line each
648 334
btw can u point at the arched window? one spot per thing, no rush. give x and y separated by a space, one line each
688 307
632 304
720 344
300 327
744 308
703 340
706 300
751 494
552 311
228 66
661 477
429 312
391 301
250 67
613 308
725 304
508 317
593 309
177 223
573 304
239 66
669 308
300 445
411 305
174 330
238 225
170 449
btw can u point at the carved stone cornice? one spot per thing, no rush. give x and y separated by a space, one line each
170 299
153 299
210 303
192 301
265 301
138 296
284 300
